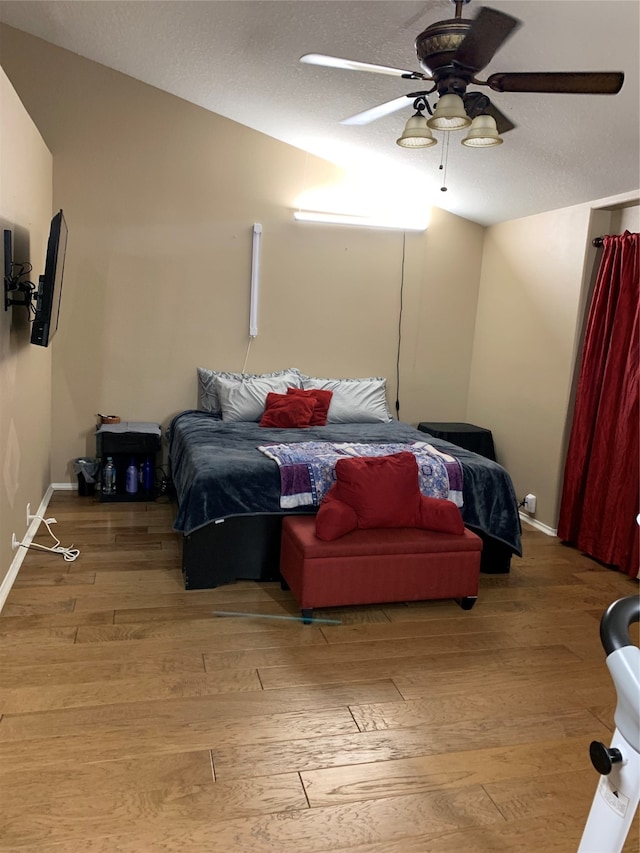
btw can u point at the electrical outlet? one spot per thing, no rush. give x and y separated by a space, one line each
530 503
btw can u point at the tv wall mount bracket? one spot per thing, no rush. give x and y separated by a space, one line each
24 290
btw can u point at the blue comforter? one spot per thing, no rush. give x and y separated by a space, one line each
219 472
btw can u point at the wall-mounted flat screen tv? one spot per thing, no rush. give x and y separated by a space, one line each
8 257
45 322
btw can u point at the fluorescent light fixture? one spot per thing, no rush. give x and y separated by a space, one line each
363 221
255 280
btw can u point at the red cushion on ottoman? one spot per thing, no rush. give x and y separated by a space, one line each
383 490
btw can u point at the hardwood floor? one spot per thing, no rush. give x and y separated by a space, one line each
136 720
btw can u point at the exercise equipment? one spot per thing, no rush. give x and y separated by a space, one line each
616 797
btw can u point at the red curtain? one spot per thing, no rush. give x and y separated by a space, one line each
601 478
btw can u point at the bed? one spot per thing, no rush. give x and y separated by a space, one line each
230 493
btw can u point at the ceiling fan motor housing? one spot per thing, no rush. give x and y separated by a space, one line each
436 47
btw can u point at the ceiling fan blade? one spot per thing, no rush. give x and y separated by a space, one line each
567 82
354 65
476 104
489 31
503 123
380 111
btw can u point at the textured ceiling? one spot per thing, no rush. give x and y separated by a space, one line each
239 58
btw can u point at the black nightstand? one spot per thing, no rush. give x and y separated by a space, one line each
123 442
471 437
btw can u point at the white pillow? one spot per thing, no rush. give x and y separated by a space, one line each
354 401
208 400
245 399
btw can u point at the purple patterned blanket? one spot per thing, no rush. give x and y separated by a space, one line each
307 468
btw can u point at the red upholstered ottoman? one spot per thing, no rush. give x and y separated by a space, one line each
377 565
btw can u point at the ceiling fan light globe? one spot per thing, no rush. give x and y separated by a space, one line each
416 142
483 133
449 114
416 134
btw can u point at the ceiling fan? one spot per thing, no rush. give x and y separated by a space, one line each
453 52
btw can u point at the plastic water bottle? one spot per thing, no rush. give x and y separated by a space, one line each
132 478
109 477
147 475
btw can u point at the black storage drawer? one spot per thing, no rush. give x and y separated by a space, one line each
126 442
125 447
471 437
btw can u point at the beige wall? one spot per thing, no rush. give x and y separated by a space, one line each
626 218
25 370
437 337
537 276
160 197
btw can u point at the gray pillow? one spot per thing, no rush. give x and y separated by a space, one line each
208 400
245 400
354 401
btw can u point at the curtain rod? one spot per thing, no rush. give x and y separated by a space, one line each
597 242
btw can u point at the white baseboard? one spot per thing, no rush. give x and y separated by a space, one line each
14 568
550 531
63 487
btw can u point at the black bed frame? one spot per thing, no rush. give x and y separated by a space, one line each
248 547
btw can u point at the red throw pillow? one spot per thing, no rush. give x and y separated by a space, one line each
383 490
441 515
283 410
322 402
334 518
